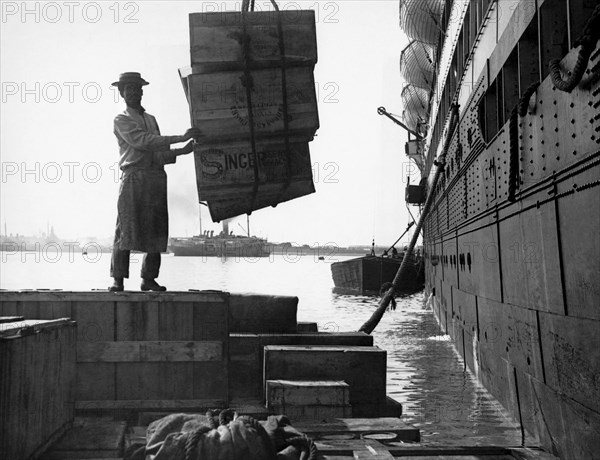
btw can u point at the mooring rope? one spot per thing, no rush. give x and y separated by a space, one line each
587 40
373 321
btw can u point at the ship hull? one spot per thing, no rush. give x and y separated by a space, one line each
512 240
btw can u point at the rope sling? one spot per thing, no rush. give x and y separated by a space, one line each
248 83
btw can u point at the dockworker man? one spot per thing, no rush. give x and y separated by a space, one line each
142 220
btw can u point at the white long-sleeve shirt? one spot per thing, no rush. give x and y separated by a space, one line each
140 143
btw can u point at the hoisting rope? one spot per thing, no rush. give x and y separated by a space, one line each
373 321
248 84
587 40
282 58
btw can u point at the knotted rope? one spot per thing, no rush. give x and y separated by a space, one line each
587 40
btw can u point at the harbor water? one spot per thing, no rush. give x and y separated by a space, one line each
425 374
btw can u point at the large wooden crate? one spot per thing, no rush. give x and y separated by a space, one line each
141 351
228 171
363 368
37 379
216 39
219 104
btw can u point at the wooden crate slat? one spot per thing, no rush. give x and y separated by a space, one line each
218 103
216 38
226 170
146 404
149 351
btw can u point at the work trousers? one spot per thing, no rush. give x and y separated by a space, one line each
119 264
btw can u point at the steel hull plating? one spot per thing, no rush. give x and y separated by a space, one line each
512 244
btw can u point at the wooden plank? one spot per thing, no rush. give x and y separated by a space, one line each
175 322
31 326
30 309
137 321
210 321
104 296
215 39
149 351
11 319
571 349
245 366
95 320
302 392
226 170
95 381
218 103
90 438
359 426
226 208
262 314
151 404
363 368
8 307
371 452
307 327
36 381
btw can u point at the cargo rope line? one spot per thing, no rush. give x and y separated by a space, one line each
587 40
282 58
248 84
373 321
248 5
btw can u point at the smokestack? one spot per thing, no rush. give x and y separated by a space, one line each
226 227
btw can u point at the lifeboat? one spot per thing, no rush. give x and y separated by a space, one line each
415 101
416 64
421 19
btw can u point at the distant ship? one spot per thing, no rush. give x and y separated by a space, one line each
224 244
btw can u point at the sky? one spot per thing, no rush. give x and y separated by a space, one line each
59 154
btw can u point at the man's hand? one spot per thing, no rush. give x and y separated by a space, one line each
194 133
188 148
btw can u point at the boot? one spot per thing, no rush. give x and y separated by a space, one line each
117 285
151 285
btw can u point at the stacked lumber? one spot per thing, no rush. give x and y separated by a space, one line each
251 90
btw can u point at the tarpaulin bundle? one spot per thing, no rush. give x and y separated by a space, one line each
223 436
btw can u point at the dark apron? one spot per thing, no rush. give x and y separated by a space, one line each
143 219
